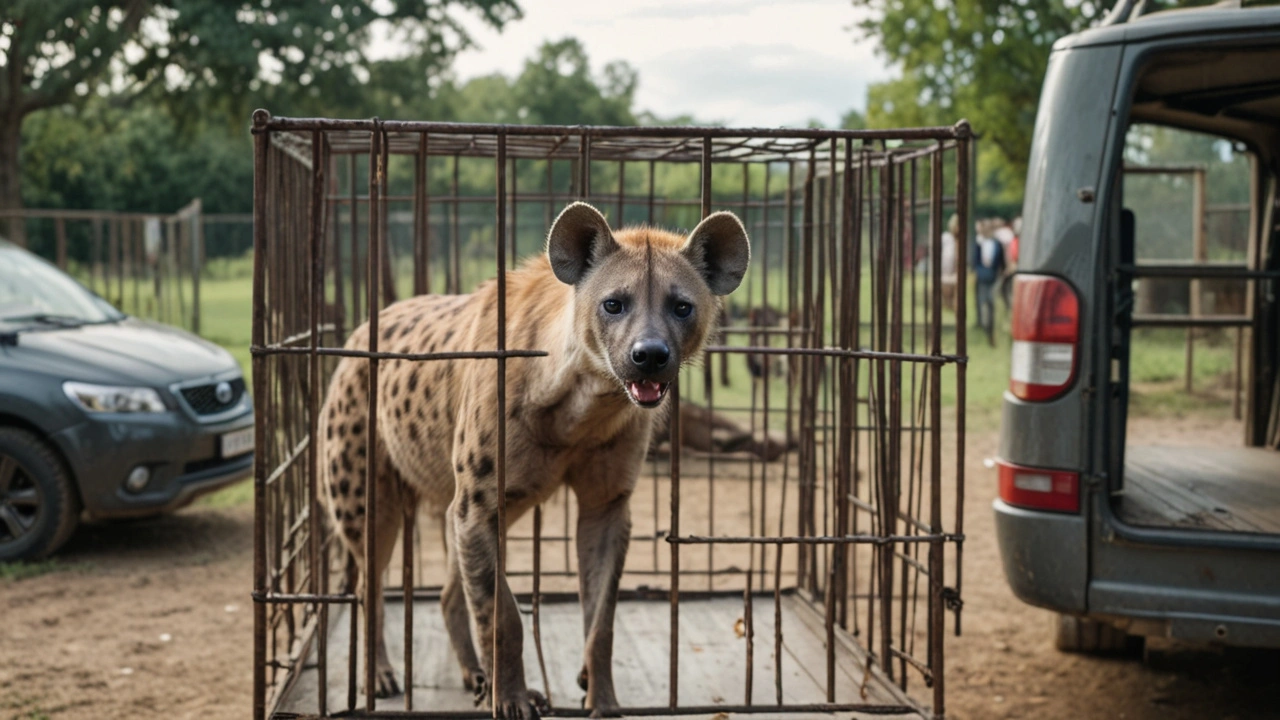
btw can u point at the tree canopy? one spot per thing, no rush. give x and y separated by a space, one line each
102 154
983 60
974 59
197 55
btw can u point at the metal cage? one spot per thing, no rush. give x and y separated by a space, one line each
820 510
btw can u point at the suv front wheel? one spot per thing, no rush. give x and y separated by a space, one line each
39 507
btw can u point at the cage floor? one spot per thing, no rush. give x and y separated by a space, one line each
1225 489
712 659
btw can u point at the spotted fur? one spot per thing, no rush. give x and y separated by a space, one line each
570 419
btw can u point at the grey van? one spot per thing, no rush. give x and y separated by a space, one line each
1179 543
102 414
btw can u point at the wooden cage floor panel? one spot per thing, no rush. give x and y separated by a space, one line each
712 658
1224 489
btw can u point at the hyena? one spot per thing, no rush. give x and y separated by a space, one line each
618 314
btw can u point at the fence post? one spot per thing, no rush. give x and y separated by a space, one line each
60 230
197 261
1200 254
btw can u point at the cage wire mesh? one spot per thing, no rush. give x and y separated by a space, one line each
798 526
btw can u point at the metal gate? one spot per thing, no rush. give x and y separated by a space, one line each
799 557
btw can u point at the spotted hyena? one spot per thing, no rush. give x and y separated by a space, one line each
618 313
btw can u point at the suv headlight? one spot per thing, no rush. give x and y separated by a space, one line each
112 399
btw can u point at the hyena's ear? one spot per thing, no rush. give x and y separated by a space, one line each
579 239
719 249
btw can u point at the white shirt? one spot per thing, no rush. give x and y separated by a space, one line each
948 260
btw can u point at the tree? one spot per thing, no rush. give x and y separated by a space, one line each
556 88
853 120
135 157
983 60
202 54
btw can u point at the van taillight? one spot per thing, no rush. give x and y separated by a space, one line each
1039 489
1046 328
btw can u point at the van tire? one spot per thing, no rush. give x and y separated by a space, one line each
1076 634
33 465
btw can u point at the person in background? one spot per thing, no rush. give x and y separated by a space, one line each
986 257
1011 257
948 263
1005 234
1013 246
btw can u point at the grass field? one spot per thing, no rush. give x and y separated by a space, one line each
1157 367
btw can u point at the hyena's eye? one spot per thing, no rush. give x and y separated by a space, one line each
683 309
613 307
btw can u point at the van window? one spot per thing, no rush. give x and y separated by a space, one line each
1189 194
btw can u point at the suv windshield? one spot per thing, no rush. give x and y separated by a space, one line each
33 291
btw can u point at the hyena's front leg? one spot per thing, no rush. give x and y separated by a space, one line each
457 618
603 491
604 532
493 608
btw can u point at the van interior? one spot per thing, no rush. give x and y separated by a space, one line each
1195 270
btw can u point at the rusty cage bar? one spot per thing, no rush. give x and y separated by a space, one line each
809 490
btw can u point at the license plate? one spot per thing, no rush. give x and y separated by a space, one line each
236 443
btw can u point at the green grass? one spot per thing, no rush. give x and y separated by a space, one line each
231 496
23 708
1157 366
16 571
226 312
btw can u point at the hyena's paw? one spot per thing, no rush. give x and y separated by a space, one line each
523 705
478 684
603 708
387 685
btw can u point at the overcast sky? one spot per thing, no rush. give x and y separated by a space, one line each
743 62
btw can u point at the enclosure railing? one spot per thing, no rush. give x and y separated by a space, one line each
839 492
147 264
1214 229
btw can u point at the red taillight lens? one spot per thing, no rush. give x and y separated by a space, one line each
1046 328
1039 489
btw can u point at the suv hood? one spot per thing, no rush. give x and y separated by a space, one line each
131 351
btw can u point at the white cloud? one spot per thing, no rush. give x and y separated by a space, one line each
745 62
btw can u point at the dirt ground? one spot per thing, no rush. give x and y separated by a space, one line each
153 619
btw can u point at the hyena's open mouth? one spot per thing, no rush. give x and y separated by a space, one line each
647 393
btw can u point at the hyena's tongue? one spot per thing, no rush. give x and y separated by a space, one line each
645 391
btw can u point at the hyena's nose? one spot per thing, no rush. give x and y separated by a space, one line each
650 354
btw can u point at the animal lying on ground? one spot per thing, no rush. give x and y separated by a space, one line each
706 431
618 314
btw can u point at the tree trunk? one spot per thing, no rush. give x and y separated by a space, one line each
11 174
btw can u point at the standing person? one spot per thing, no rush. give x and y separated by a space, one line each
948 263
1005 233
986 257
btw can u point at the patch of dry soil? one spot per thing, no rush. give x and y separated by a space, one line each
152 619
